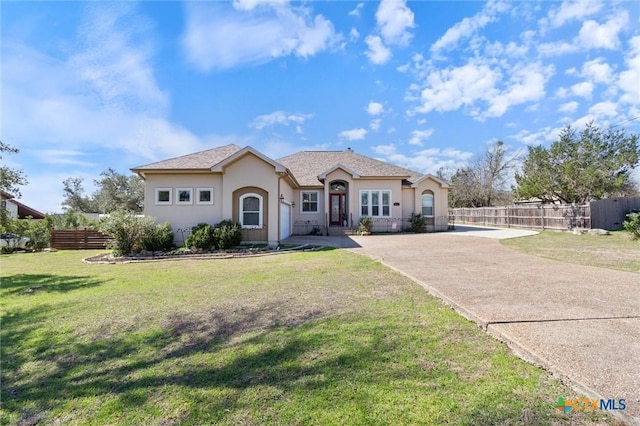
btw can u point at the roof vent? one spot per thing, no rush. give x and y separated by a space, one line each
349 149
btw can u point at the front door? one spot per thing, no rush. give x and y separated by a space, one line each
337 209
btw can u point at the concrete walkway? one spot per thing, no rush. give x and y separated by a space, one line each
582 323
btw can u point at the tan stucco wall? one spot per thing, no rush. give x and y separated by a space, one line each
250 171
299 216
183 216
394 185
440 200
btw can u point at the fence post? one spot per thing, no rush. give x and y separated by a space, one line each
542 216
86 238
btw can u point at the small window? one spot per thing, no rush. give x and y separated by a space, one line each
251 211
184 196
364 203
427 205
338 186
204 196
163 196
310 202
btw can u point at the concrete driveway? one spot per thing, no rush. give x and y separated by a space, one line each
582 323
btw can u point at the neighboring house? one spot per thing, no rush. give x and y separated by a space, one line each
307 192
18 210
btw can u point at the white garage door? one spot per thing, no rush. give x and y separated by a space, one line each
285 220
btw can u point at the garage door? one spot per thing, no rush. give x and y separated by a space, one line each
285 220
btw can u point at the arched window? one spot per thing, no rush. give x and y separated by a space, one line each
427 204
251 210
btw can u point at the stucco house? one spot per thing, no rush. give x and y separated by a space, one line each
322 192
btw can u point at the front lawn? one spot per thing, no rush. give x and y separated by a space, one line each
615 251
326 337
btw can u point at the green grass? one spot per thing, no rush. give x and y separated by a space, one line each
324 337
615 251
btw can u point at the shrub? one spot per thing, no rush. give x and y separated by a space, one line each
158 238
201 237
418 222
128 231
39 233
365 225
227 234
632 225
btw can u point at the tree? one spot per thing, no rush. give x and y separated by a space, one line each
118 191
579 168
115 191
74 197
483 182
10 179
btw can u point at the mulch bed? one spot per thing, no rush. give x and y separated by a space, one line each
229 254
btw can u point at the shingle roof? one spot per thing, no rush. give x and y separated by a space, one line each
307 165
199 160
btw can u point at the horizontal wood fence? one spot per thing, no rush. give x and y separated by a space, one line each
551 217
78 239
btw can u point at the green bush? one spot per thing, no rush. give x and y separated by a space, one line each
128 231
632 225
39 233
365 225
224 235
159 238
201 237
227 234
418 222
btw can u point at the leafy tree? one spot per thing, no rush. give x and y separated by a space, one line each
483 182
115 191
576 168
10 179
74 196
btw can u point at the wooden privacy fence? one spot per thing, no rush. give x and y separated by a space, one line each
552 217
611 213
78 239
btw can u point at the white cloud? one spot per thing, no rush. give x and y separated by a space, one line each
603 36
451 88
377 53
598 71
583 89
375 124
542 136
469 26
394 18
417 136
279 117
220 37
375 108
571 10
604 109
629 78
357 10
569 107
354 34
428 160
353 134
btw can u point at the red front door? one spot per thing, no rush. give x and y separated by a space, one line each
337 209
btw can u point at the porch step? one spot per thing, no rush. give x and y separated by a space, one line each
337 231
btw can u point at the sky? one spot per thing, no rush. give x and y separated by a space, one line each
427 85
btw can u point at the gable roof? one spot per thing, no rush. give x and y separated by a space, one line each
219 167
23 210
202 160
307 166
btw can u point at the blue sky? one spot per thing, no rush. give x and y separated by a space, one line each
425 84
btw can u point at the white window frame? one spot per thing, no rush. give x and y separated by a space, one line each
317 210
369 205
433 204
260 211
200 190
164 203
184 203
